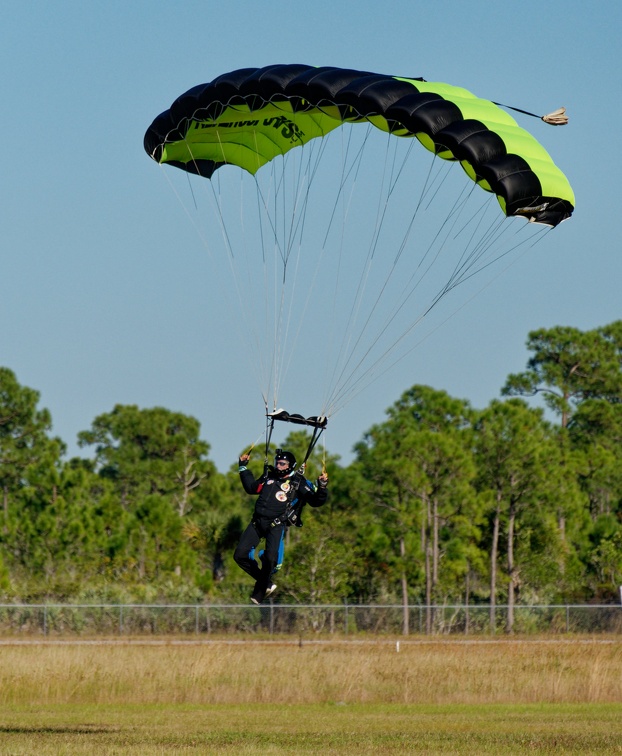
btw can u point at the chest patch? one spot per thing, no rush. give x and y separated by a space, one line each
281 496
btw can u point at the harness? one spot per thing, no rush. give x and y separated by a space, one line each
290 516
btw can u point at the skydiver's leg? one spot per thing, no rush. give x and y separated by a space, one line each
272 557
244 553
279 563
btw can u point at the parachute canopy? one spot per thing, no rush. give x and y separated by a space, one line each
249 116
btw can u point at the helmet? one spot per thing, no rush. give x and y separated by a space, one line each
288 457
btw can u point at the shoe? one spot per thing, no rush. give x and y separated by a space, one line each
270 590
258 595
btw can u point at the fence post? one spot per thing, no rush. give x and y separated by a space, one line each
45 619
120 619
345 629
567 618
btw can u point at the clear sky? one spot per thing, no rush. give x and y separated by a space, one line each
105 290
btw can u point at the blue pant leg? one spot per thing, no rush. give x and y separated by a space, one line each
279 563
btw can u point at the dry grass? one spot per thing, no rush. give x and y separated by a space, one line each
507 672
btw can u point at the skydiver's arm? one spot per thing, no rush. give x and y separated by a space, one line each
317 495
250 485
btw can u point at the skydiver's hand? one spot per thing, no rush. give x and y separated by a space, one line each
323 480
244 459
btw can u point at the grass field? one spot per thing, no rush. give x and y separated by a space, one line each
510 696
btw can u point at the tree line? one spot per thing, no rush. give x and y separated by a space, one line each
519 502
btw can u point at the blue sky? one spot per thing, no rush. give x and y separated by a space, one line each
106 293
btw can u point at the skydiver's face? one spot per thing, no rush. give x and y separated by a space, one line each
282 465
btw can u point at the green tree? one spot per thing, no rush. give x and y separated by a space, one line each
158 465
149 451
612 335
213 528
59 540
319 559
24 440
393 488
606 560
421 472
596 433
518 466
568 366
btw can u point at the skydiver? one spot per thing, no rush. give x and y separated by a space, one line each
283 492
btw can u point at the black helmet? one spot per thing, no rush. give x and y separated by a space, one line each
286 455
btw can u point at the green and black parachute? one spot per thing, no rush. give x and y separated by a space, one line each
249 116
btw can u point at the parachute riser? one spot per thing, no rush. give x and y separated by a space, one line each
269 429
317 432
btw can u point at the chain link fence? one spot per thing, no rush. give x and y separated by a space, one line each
55 620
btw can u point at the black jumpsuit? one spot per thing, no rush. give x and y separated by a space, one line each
275 496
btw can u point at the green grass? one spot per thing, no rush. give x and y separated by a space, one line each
318 728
